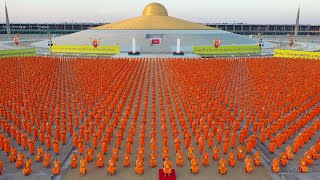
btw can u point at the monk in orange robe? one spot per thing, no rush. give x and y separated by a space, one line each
215 155
27 169
41 137
95 141
289 152
126 160
83 166
187 140
6 146
1 141
303 167
20 160
248 165
190 153
233 140
1 167
48 141
177 144
167 168
210 140
165 152
100 161
249 146
194 166
275 165
75 140
231 161
205 159
74 160
284 159
153 160
201 144
80 147
63 137
13 155
179 159
39 155
90 154
225 145
56 146
222 166
272 146
104 146
257 159
47 160
139 167
128 147
240 153
56 167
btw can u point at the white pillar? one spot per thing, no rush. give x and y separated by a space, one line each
178 45
133 45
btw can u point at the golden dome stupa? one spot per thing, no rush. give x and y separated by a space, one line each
154 17
155 9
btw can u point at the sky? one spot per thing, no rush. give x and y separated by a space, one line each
201 11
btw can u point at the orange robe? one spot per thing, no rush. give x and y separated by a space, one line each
90 154
1 167
56 146
215 155
39 155
74 161
205 161
83 166
56 167
126 160
80 147
179 159
167 168
225 145
194 166
46 160
20 161
27 170
231 161
100 161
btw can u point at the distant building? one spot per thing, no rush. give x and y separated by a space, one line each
244 29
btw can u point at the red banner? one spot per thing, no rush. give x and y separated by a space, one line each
95 42
155 41
217 43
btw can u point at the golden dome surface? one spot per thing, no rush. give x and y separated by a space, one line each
154 17
155 9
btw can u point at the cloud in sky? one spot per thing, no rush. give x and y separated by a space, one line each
204 11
